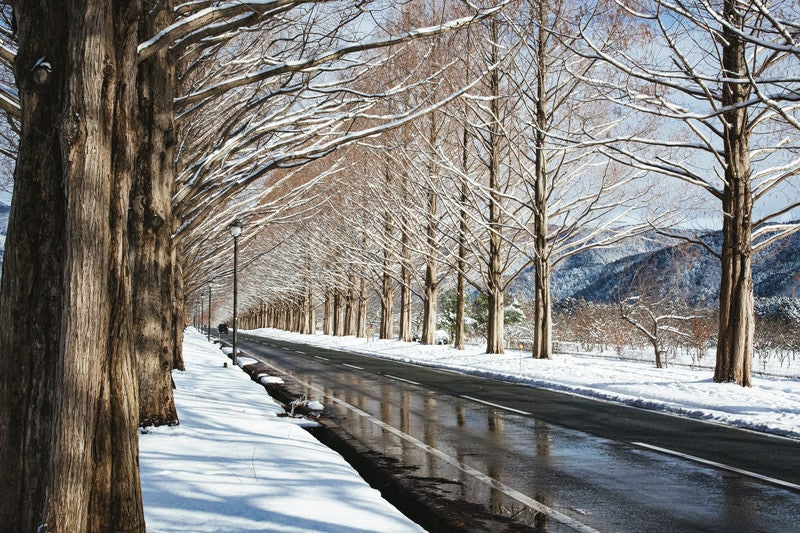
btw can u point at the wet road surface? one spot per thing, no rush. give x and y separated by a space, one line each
550 461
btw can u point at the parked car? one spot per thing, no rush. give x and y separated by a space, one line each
223 328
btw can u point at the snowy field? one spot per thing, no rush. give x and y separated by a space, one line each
771 405
232 465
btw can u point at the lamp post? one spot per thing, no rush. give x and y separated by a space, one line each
209 312
202 313
236 229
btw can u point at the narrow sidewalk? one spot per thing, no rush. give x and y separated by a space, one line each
232 465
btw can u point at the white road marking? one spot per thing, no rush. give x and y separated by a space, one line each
301 352
322 358
504 407
494 483
401 379
352 366
723 466
446 371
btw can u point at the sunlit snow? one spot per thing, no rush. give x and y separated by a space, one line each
771 404
233 465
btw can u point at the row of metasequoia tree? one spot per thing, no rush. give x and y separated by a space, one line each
575 132
123 109
146 126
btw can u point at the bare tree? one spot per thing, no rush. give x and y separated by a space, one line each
281 103
579 199
719 77
657 320
66 295
68 396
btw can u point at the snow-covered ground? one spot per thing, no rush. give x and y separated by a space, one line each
233 465
771 404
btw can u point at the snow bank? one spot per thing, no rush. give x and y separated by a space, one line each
233 465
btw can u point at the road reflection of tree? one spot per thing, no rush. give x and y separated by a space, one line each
543 440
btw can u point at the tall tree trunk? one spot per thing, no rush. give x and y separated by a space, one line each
495 342
405 288
406 334
178 314
69 443
542 314
362 309
338 313
124 510
460 304
308 312
387 292
430 307
151 230
462 242
736 306
351 312
495 336
387 304
311 322
430 303
327 319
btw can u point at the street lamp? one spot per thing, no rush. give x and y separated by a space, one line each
236 229
209 312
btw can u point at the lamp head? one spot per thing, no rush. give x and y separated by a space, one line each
235 228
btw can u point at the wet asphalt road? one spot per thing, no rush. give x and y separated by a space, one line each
552 461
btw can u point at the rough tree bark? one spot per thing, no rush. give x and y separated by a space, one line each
405 286
327 318
338 313
387 305
430 299
351 326
178 304
542 313
430 307
387 286
462 242
68 401
308 312
151 230
495 328
362 308
736 307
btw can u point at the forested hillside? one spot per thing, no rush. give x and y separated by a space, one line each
687 271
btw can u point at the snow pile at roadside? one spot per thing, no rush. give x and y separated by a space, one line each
771 405
233 465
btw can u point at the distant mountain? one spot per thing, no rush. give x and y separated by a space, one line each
776 272
687 271
583 270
